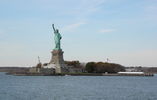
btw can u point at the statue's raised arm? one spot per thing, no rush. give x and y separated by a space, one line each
53 27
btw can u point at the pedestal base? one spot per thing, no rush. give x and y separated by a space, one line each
58 61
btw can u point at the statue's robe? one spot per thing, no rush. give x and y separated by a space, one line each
57 38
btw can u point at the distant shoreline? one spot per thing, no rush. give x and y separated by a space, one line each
24 71
77 74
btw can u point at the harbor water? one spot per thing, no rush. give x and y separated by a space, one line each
77 87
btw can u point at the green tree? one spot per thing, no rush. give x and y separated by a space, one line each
90 67
101 67
108 67
73 63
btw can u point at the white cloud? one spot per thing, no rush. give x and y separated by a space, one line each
88 7
138 58
18 54
107 30
152 8
2 32
78 8
72 6
73 27
151 12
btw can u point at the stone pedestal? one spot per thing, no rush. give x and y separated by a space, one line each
58 61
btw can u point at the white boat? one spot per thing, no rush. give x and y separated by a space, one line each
140 73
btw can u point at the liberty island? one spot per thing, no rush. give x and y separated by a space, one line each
57 65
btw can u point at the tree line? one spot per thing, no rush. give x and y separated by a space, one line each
103 67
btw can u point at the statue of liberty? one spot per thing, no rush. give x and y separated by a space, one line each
57 38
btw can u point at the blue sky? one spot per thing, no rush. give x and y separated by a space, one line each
125 31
